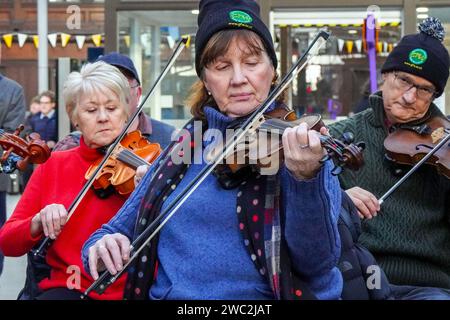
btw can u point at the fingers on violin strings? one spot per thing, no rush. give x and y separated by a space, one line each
314 142
302 139
324 130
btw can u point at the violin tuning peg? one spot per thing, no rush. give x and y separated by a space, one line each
336 170
361 145
325 159
348 137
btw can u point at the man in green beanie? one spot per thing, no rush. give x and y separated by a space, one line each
409 233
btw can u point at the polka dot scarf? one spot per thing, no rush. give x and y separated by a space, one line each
257 207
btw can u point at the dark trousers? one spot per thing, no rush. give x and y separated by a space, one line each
2 221
419 293
60 294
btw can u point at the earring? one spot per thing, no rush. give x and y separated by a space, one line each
209 93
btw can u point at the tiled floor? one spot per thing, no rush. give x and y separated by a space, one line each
13 276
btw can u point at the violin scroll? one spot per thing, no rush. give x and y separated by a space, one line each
18 152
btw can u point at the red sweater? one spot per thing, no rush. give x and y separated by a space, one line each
59 180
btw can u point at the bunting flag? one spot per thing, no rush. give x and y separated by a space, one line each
8 38
127 40
36 41
358 44
379 47
390 47
22 38
340 45
80 41
97 39
65 38
349 46
52 38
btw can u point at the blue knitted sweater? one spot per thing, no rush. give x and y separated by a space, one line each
201 251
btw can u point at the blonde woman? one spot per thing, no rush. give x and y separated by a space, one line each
97 100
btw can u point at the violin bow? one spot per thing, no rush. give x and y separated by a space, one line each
106 278
184 42
416 166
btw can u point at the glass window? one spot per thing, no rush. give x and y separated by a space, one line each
336 81
149 38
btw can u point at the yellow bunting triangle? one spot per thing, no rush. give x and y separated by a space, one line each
127 41
379 47
8 38
97 39
349 46
65 38
36 41
390 47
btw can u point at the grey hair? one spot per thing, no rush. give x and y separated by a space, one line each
94 77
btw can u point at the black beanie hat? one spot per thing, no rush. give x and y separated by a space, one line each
422 54
217 15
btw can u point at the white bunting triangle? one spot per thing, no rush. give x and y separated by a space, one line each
22 38
52 38
80 41
358 44
340 44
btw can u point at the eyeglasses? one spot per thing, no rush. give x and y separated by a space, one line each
404 84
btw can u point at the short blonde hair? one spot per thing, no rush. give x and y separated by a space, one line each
93 77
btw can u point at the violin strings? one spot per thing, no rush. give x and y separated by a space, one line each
129 157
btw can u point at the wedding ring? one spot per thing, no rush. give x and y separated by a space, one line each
304 146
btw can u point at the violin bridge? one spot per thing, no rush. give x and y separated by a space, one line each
438 135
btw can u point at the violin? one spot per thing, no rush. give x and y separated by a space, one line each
261 150
133 151
409 144
18 152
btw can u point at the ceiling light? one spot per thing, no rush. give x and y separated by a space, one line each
422 16
422 9
195 11
352 31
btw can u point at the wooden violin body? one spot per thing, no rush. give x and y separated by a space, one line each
409 146
133 151
262 148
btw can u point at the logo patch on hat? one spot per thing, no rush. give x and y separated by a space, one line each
418 56
240 16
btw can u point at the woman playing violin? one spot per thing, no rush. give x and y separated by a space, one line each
273 236
409 233
97 101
